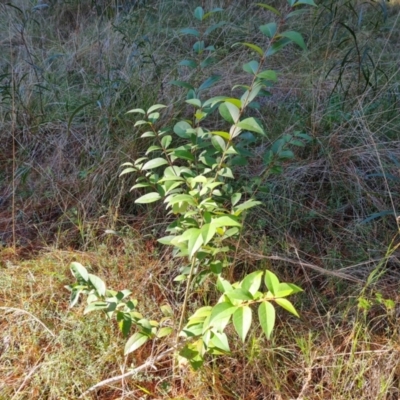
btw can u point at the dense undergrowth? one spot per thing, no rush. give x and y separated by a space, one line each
69 72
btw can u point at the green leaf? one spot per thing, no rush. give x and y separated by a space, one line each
198 47
226 220
190 31
251 67
229 112
236 198
95 306
207 232
221 312
272 282
148 198
269 29
246 205
295 37
181 129
250 124
195 241
139 185
286 289
180 278
124 323
79 271
165 331
226 172
178 198
136 110
207 62
194 102
154 163
166 141
98 284
252 282
268 75
251 94
223 285
287 305
134 342
239 294
253 47
199 13
166 309
209 82
224 135
277 45
216 267
308 2
242 321
184 155
220 341
218 143
269 8
155 107
266 315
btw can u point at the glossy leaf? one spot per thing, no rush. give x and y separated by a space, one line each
251 67
266 315
287 305
137 110
220 341
155 107
98 284
277 46
226 220
181 129
220 312
208 232
154 163
79 271
295 37
242 318
268 75
134 342
148 198
166 141
250 124
269 29
252 282
239 294
253 47
308 2
165 331
195 242
199 13
272 282
211 81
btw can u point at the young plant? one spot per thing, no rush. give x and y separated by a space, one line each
189 168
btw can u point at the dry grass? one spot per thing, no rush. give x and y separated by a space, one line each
68 74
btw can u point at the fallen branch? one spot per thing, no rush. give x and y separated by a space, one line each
149 363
